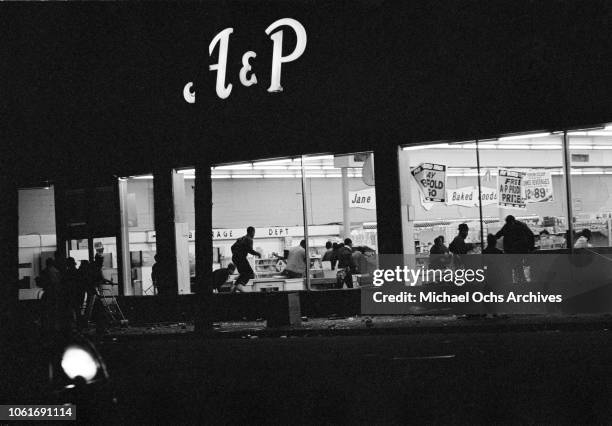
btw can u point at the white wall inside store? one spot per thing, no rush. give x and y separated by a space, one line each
240 203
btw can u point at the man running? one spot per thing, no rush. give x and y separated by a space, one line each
240 249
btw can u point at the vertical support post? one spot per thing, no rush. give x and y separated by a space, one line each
482 240
9 251
346 212
203 245
181 237
164 224
388 201
123 241
567 171
305 215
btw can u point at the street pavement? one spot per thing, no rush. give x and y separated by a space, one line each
474 376
548 377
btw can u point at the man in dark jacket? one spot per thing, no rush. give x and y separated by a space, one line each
518 240
240 249
221 275
458 245
346 265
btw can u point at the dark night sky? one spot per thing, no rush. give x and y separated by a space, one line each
97 87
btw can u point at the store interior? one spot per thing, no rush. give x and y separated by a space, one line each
331 197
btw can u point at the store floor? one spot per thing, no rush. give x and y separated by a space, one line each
366 325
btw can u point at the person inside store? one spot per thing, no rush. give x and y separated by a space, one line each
346 265
50 281
334 255
492 245
545 241
221 275
240 250
161 276
327 256
518 240
458 246
70 293
296 261
439 254
584 240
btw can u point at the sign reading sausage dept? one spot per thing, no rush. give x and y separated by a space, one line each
431 179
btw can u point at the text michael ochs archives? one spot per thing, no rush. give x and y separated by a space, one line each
421 281
467 297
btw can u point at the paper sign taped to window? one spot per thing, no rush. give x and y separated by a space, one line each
511 192
538 186
431 180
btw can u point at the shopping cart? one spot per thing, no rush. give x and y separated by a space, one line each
110 307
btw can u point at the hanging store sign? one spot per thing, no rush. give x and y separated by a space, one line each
488 196
363 199
538 186
431 179
465 196
510 184
246 75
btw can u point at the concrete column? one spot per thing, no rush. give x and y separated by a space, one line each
389 203
181 229
203 246
164 222
346 211
123 244
9 251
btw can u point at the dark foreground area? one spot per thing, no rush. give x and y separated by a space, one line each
545 377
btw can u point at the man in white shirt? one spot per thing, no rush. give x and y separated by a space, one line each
296 261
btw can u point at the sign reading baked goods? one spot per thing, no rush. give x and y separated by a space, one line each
431 180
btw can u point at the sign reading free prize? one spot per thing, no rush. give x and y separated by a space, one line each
431 179
510 184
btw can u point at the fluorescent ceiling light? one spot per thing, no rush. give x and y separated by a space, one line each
235 167
536 147
602 146
525 136
512 146
186 171
272 162
221 176
142 177
319 158
572 146
269 167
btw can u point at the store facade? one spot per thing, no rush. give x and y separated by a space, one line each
206 151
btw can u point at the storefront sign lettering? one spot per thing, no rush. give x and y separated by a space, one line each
431 179
364 199
488 196
465 197
246 75
511 192
538 186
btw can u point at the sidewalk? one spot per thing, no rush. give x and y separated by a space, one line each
365 325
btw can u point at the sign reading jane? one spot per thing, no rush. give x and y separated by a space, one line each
363 199
246 76
431 179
